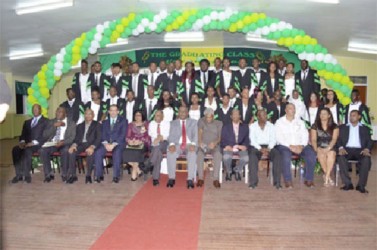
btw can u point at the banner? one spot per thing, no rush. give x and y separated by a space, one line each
146 56
196 54
108 59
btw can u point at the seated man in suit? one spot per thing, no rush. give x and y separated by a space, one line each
292 138
72 106
158 130
235 138
209 137
59 135
354 143
262 142
183 138
31 140
113 138
88 138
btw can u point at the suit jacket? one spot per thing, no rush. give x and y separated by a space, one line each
118 134
224 117
30 134
176 131
120 103
76 85
101 83
278 114
199 84
69 135
249 113
73 112
365 119
279 81
142 83
102 109
364 135
219 82
262 83
137 106
93 136
122 85
310 84
144 108
163 82
245 80
228 137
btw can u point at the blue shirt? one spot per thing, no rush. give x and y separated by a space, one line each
354 136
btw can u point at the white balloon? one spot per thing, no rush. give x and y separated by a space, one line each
195 27
59 57
228 13
310 57
328 58
100 28
206 19
135 33
97 37
95 44
57 72
58 65
222 16
163 14
152 26
199 23
334 61
157 19
273 27
302 56
145 22
106 24
62 51
265 31
258 31
281 25
92 50
140 29
319 57
214 15
289 26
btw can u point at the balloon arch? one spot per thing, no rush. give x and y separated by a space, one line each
134 24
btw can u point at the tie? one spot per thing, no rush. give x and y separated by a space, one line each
183 145
97 80
158 129
152 79
34 122
112 124
57 135
304 77
150 109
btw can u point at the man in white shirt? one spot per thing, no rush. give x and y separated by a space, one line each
158 130
262 142
178 67
153 74
232 96
80 83
149 103
301 111
292 138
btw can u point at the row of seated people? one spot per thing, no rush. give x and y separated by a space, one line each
128 142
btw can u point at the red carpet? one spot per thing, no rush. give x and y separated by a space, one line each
157 218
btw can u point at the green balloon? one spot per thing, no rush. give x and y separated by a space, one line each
253 27
158 30
321 65
112 25
187 26
330 83
53 59
317 48
206 28
292 47
261 23
66 67
107 32
313 64
276 35
301 33
36 79
233 18
84 52
286 33
169 19
68 49
43 102
90 35
37 94
343 72
207 11
344 88
336 85
50 65
324 51
138 18
226 24
300 48
191 19
67 58
309 48
219 26
329 66
200 14
162 25
337 68
294 32
50 81
106 40
212 25
132 25
49 74
268 21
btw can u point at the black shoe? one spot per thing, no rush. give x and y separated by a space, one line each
190 184
347 187
16 179
156 182
228 177
28 179
278 187
170 183
88 179
97 180
361 189
101 178
52 177
252 186
238 176
47 179
64 179
72 179
115 180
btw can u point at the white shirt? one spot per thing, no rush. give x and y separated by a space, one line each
334 113
178 72
227 77
282 71
147 103
301 111
244 111
291 132
353 106
312 114
225 110
204 77
164 130
130 111
71 102
85 91
354 136
194 114
213 105
187 139
155 75
242 71
63 129
232 101
260 136
114 100
304 74
258 74
188 87
168 114
273 84
289 86
95 107
98 77
135 83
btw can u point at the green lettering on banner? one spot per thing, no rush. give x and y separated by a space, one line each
146 56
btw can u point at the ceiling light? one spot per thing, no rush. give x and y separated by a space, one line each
257 38
120 41
184 37
362 48
43 6
325 1
25 54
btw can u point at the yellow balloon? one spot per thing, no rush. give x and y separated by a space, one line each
76 49
328 75
44 68
186 14
193 11
240 25
41 75
297 40
313 41
168 28
83 36
78 42
281 41
175 25
31 99
288 41
45 92
125 21
233 28
119 28
306 40
254 17
247 20
30 91
131 16
262 15
337 77
180 20
57 78
42 83
321 72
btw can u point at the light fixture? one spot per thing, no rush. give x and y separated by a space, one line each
190 36
120 41
362 48
25 54
43 6
257 38
325 1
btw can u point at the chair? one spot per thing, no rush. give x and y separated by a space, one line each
54 158
246 170
337 170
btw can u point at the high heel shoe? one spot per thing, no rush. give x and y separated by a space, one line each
132 179
326 184
331 182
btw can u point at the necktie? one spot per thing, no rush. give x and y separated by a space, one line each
150 109
152 79
57 135
184 139
304 77
112 124
97 80
34 122
158 129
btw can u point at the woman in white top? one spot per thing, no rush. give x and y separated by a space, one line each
196 110
313 106
337 109
168 105
211 101
289 82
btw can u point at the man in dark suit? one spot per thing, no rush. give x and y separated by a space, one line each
120 82
99 80
137 82
235 138
244 73
72 105
356 104
167 81
279 105
131 105
246 112
58 136
115 99
30 142
354 143
80 83
307 81
203 78
258 76
223 113
225 79
88 138
113 138
149 103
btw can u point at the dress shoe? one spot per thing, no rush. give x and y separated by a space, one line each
171 183
16 179
309 184
216 183
52 177
238 176
228 177
156 182
28 179
252 186
47 179
361 189
101 178
72 179
190 184
97 180
115 180
347 187
288 184
64 178
88 179
278 186
200 183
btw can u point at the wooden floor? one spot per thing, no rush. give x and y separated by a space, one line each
61 216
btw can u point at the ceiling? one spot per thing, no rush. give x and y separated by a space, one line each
333 25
